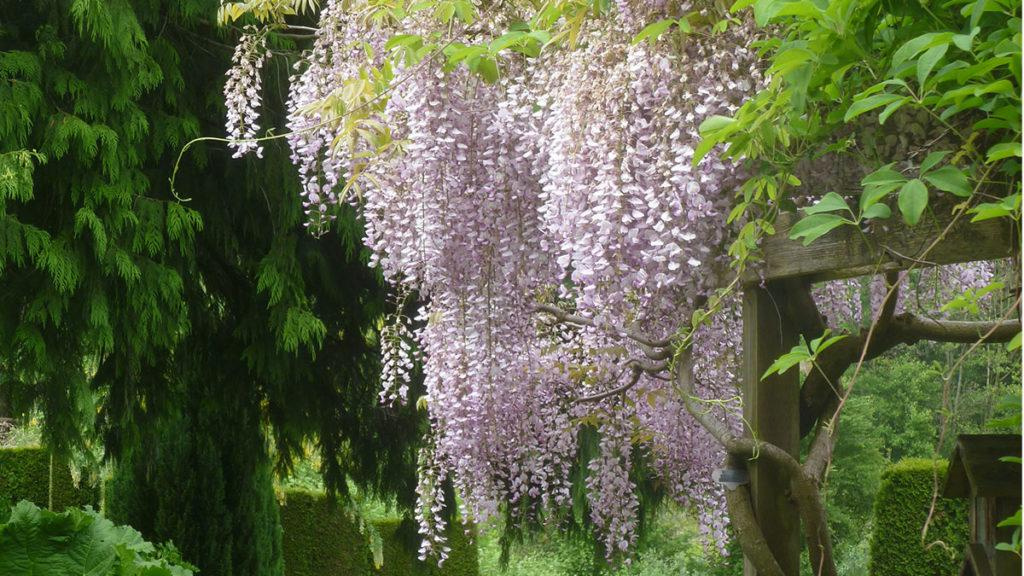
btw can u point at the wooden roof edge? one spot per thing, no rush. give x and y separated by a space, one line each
975 468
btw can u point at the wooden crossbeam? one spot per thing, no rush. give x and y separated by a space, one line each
890 246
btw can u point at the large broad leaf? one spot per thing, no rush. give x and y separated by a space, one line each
39 542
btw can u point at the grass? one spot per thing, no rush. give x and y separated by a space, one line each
672 548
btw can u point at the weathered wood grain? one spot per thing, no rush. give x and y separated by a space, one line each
890 246
771 407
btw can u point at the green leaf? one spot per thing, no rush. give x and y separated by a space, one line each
713 131
932 159
892 107
1013 344
879 184
488 69
403 40
1014 520
874 194
828 203
912 201
1003 150
715 123
465 11
652 31
703 147
815 226
789 59
928 60
458 53
684 24
877 211
868 104
785 362
988 211
767 10
541 36
505 40
949 179
1008 207
964 41
823 342
883 175
444 12
37 541
914 47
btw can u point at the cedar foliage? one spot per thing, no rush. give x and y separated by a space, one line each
214 310
204 481
111 283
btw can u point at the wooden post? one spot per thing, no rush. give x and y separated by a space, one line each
772 410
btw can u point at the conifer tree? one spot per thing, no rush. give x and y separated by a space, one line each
209 311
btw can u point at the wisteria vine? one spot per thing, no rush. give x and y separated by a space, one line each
545 220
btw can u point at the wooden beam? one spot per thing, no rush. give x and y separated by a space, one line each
890 246
772 409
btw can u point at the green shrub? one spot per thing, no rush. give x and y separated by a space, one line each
401 543
34 541
901 509
321 540
25 475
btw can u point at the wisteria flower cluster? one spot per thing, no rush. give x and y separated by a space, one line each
242 92
570 183
398 359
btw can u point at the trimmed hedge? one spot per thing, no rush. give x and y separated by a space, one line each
25 475
320 540
901 508
401 543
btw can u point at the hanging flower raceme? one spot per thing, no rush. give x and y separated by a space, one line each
397 360
569 182
242 92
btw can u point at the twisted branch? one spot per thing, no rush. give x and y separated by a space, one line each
639 367
569 318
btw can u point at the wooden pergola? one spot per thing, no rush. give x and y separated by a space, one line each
775 298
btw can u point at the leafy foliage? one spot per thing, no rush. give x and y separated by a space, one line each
37 541
803 352
949 74
897 413
672 546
